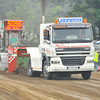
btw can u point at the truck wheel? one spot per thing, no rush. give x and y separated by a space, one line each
29 69
30 72
86 75
47 75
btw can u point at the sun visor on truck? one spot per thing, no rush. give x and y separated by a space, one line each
71 26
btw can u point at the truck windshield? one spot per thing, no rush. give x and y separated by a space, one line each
72 35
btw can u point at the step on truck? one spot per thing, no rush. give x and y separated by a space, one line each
66 47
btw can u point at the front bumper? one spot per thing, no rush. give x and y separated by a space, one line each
77 68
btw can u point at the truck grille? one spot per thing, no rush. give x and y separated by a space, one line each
71 61
73 53
72 49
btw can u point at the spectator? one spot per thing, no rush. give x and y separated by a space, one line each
98 57
96 60
13 39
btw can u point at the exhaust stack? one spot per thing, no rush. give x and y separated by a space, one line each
43 5
43 19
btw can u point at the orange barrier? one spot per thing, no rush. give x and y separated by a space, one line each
12 60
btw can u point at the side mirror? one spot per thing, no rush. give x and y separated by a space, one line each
94 41
46 34
96 33
47 41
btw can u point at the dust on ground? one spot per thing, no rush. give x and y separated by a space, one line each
21 71
19 87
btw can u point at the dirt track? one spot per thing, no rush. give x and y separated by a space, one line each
16 87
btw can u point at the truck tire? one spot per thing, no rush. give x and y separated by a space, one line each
30 72
29 69
86 75
47 75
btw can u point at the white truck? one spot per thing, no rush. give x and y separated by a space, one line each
66 47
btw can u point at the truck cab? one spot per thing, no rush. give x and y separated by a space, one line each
66 47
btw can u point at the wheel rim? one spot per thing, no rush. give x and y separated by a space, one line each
29 69
45 70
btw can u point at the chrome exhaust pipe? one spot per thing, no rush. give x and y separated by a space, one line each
43 5
43 19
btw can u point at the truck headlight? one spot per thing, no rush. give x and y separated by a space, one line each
55 62
90 61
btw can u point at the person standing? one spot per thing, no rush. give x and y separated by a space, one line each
96 60
13 39
99 56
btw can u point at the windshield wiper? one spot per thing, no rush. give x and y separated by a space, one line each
61 41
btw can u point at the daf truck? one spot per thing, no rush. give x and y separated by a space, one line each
66 47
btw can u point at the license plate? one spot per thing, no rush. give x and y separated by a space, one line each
72 67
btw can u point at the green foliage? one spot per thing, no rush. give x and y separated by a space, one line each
51 14
30 12
6 6
89 9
